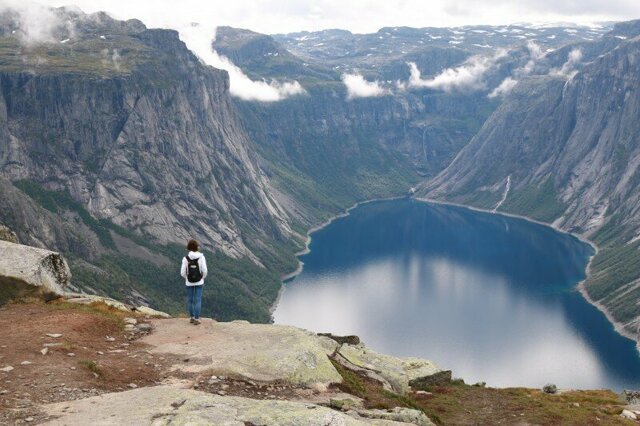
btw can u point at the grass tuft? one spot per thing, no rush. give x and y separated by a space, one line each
91 366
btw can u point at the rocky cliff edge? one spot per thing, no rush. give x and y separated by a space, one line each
81 357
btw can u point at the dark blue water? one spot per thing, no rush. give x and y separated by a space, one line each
491 297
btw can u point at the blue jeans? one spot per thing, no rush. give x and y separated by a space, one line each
194 300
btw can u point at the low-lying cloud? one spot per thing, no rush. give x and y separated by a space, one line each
358 87
34 22
568 68
468 76
199 39
505 87
535 55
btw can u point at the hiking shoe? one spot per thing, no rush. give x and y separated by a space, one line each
192 320
196 321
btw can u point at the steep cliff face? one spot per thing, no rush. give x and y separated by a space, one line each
566 151
330 152
126 130
157 150
37 226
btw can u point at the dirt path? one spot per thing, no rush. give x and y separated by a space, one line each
92 355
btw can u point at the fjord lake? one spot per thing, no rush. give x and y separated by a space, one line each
491 297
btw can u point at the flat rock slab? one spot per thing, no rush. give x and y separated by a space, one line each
398 372
164 405
261 352
30 271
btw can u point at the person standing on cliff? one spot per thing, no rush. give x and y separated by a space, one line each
194 271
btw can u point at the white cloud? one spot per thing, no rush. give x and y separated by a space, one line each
535 54
505 87
36 23
535 51
358 87
198 39
568 68
468 76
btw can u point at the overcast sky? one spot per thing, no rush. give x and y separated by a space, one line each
277 16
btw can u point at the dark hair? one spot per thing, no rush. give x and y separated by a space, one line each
192 245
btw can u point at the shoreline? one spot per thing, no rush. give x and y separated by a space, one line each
580 287
617 326
316 228
286 277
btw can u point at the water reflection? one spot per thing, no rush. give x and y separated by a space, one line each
487 296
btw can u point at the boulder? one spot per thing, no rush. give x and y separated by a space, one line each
398 372
164 405
258 352
550 388
31 272
627 414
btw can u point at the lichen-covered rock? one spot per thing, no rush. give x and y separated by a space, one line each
164 405
398 372
342 404
88 299
7 234
261 352
398 414
29 271
145 310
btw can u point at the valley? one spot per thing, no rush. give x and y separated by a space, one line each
117 143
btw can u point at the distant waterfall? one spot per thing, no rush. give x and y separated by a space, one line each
504 196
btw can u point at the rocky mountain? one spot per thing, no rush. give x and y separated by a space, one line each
564 149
